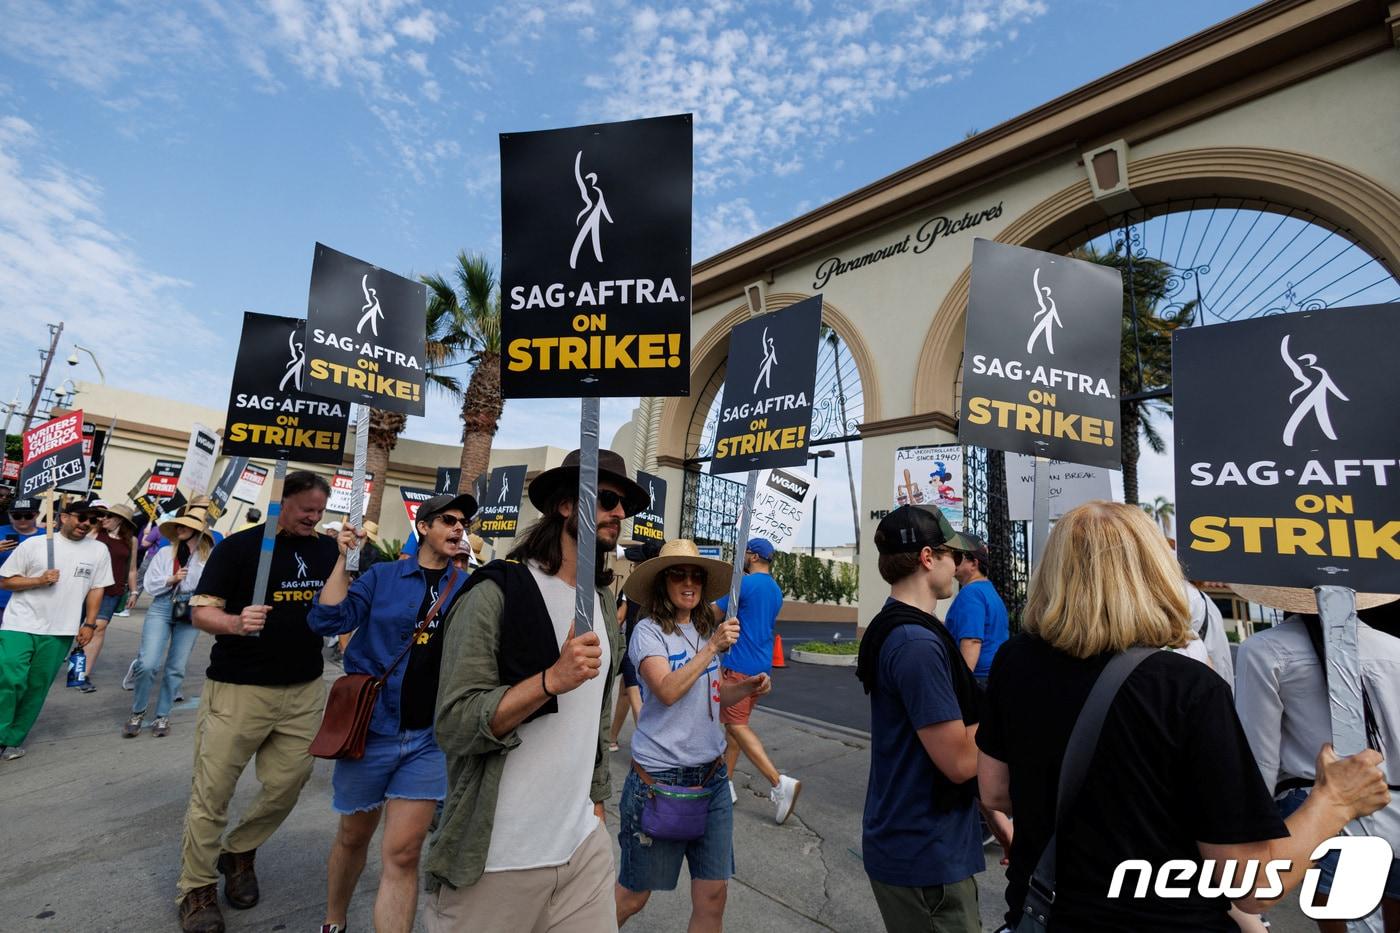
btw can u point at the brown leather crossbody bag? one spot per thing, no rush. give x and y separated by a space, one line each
345 725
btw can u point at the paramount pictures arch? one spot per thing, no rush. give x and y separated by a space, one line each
1286 111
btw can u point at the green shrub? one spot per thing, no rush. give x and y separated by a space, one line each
829 647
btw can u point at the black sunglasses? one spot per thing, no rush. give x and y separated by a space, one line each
24 516
609 500
684 574
451 521
89 517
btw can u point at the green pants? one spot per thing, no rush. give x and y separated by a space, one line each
28 664
939 908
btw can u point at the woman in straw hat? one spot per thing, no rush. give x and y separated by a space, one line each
1281 694
679 739
118 532
1171 777
168 635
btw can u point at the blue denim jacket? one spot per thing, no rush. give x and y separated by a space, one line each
382 609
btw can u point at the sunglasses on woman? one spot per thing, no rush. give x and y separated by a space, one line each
686 575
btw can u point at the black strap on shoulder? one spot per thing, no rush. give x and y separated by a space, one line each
1079 752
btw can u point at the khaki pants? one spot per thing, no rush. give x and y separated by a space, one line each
576 897
236 723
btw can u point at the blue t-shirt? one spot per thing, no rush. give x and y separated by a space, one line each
4 556
978 612
907 840
760 600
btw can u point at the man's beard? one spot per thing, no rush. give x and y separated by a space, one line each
571 528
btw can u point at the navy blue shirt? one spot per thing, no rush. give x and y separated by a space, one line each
760 600
907 840
978 612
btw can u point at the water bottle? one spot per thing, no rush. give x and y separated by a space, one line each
77 668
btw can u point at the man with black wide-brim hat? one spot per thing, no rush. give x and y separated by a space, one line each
524 706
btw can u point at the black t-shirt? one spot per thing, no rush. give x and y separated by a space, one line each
1172 768
287 652
420 678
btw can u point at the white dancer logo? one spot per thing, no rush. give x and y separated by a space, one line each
651 494
373 314
1047 316
294 365
770 359
505 487
301 567
1315 401
597 211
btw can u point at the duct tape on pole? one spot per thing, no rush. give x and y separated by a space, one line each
585 590
269 540
1337 607
356 518
741 541
1040 516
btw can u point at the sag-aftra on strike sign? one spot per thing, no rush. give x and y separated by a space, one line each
595 260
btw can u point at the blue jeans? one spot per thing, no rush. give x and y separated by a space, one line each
655 864
157 635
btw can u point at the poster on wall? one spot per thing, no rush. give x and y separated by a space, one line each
53 455
1286 469
499 505
341 482
1067 484
766 412
1041 355
782 508
931 475
595 260
271 414
650 523
366 334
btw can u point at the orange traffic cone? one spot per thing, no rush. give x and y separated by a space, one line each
778 651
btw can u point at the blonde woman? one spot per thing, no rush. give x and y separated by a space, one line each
168 636
679 742
1172 776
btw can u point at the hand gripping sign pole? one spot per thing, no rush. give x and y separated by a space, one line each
269 541
356 518
584 589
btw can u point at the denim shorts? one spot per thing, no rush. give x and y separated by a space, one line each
1288 805
655 864
406 766
629 672
108 607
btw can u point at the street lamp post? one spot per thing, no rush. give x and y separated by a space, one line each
112 427
819 456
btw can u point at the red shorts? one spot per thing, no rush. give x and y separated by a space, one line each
738 714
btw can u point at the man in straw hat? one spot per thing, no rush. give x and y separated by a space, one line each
42 620
1282 700
525 706
263 698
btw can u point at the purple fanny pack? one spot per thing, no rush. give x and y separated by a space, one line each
673 812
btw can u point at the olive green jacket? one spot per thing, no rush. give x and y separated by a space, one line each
469 692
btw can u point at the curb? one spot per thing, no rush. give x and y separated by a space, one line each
830 660
822 724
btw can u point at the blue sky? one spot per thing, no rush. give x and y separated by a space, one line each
165 167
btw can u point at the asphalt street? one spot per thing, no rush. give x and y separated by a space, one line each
90 823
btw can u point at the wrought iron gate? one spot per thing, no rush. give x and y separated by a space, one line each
710 510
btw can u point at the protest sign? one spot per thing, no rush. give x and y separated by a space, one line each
53 455
339 501
768 389
1286 469
366 330
931 475
1041 356
95 453
250 483
500 505
448 479
782 507
412 498
1067 485
199 460
165 479
10 472
270 414
650 523
595 260
223 489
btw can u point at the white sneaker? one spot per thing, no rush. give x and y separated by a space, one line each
784 797
125 613
129 681
11 753
733 794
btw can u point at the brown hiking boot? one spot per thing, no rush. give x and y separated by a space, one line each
240 882
199 911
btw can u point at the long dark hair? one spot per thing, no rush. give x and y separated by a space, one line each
541 542
664 611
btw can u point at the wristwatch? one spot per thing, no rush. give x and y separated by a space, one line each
91 625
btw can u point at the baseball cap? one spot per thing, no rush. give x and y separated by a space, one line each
80 505
24 505
465 503
912 528
979 547
760 547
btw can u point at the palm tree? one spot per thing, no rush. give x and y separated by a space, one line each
1146 283
444 344
1161 510
476 305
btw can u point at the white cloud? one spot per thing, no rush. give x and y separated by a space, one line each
59 261
721 226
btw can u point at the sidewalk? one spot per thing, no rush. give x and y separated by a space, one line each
90 828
